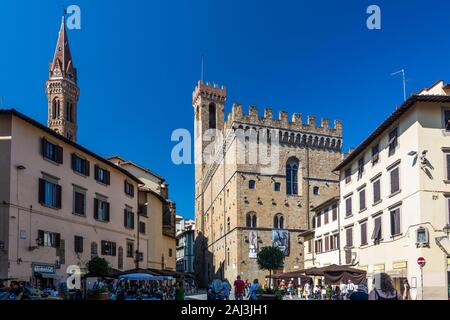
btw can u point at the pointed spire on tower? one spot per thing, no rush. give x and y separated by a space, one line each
62 66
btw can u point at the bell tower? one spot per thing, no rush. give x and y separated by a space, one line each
62 90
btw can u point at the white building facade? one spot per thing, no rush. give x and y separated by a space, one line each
395 196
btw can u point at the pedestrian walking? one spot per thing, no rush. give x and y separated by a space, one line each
406 290
384 289
226 288
290 289
179 291
252 292
239 288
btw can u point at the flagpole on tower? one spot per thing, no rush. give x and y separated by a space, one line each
402 71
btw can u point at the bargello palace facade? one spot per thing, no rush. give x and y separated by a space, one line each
256 179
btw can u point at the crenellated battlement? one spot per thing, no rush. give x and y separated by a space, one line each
212 92
296 123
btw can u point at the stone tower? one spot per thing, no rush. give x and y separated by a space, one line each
62 90
208 102
243 205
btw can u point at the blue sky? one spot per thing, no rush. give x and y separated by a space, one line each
138 62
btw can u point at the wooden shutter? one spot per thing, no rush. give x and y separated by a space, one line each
87 168
96 172
327 244
349 236
103 244
125 186
57 240
326 217
334 213
132 220
376 191
363 233
59 154
41 191
80 244
41 237
448 166
348 206
125 218
96 209
113 248
43 145
394 180
107 177
58 196
73 160
107 211
362 199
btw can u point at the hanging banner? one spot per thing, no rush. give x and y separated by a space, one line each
280 239
252 244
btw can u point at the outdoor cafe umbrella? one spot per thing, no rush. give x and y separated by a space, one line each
141 276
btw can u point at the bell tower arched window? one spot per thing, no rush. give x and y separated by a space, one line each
212 115
292 176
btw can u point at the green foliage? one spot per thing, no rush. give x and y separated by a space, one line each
98 267
270 258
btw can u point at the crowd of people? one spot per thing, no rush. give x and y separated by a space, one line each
116 289
383 289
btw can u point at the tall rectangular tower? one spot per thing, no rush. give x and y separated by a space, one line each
256 179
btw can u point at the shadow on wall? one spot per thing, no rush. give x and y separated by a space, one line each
204 267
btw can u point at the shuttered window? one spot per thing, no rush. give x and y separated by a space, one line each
49 239
376 235
395 183
349 237
360 168
80 165
78 244
128 219
348 206
325 216
362 199
108 248
348 175
327 244
393 136
447 156
395 222
376 191
51 151
79 199
101 175
49 194
447 120
375 154
319 220
363 233
129 189
101 210
335 212
142 227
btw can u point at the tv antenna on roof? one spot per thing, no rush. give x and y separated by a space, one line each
402 71
202 71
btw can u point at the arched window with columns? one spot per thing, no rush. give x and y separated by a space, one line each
251 221
278 221
292 166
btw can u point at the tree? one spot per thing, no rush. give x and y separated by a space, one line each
98 267
270 258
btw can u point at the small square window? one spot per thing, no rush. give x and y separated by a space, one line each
251 184
316 191
277 186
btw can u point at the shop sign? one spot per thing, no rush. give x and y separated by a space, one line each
378 267
43 268
399 265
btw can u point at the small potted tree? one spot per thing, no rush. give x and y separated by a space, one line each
98 267
270 258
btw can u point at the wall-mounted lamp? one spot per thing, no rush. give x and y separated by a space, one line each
20 167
